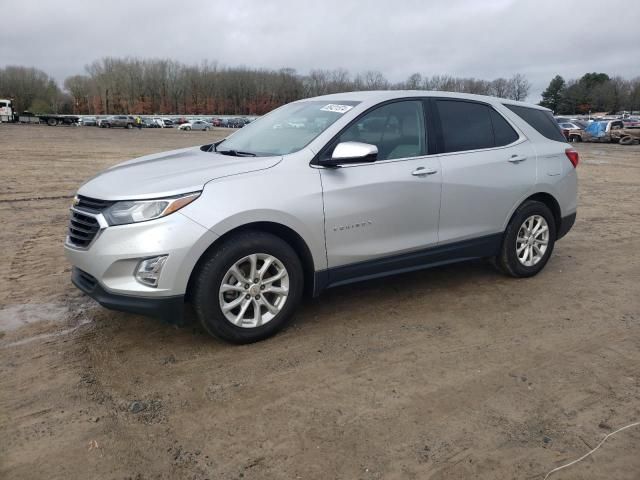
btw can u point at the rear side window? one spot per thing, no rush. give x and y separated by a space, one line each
541 120
472 126
465 125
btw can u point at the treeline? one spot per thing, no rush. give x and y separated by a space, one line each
149 86
32 89
593 92
158 86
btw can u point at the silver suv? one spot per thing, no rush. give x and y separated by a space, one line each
319 193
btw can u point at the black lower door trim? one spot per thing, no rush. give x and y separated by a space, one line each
487 246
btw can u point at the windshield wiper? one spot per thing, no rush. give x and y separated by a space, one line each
236 153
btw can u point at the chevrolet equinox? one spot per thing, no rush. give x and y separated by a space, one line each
318 193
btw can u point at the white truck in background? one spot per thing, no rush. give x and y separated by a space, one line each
6 110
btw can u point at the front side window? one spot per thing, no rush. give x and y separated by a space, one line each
287 129
397 129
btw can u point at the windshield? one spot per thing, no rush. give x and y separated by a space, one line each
286 130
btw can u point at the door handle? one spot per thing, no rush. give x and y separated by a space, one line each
517 158
422 172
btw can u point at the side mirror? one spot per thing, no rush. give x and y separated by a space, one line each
352 152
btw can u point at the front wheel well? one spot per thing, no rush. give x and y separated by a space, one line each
285 233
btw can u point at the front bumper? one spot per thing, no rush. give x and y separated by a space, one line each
116 251
105 270
169 309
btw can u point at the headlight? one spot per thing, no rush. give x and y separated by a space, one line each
133 211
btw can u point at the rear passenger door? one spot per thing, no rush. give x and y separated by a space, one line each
487 167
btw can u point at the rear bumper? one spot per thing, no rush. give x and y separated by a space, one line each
565 225
169 309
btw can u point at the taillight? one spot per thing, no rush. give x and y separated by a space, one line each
573 156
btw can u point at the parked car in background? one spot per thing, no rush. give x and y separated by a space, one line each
573 130
168 123
219 122
123 121
196 125
236 122
369 186
149 123
631 122
603 131
88 121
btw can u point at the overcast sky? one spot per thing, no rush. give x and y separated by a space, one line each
483 39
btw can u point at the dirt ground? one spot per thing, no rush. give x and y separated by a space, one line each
456 372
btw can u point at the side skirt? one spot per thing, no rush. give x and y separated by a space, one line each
487 246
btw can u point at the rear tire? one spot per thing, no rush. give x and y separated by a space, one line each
626 140
528 240
223 278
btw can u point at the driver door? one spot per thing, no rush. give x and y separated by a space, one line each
389 207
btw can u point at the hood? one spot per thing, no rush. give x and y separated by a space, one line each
169 173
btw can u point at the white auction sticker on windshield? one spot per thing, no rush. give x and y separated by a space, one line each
336 108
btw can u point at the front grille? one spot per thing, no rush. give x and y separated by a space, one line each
92 205
82 229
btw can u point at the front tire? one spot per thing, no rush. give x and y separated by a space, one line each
528 240
248 288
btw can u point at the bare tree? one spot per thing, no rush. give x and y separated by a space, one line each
500 87
518 88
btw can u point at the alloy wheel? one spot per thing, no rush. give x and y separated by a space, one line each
532 240
254 290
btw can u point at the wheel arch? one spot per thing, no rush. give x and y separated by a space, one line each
549 200
284 232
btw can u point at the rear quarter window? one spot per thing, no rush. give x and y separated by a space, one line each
541 120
